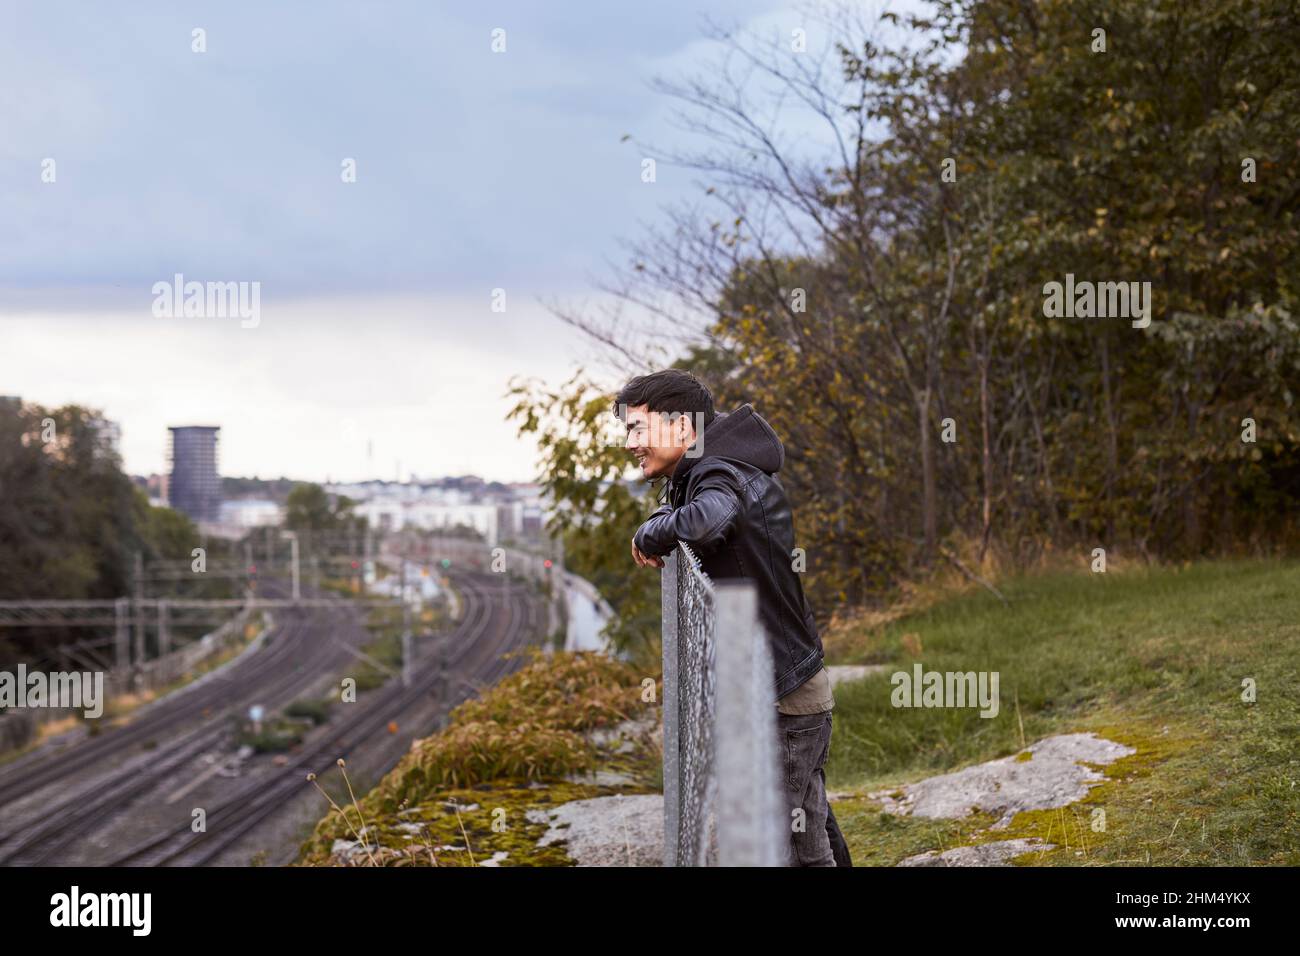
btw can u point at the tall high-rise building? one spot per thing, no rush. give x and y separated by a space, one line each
195 486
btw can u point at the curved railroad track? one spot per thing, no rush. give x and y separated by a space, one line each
489 628
162 739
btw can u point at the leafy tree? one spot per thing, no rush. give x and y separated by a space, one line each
309 508
72 523
583 471
881 299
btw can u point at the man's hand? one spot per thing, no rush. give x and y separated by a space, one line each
645 560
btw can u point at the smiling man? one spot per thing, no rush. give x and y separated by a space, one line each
724 500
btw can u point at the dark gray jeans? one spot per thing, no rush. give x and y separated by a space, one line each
815 840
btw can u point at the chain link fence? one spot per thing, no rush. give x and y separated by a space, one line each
722 798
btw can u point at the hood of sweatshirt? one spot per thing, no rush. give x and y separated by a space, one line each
741 435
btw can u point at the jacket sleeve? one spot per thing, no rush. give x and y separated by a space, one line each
703 523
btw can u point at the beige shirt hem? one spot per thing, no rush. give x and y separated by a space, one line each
813 696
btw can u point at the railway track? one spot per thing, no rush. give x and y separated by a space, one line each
489 628
248 677
477 645
41 840
22 777
162 739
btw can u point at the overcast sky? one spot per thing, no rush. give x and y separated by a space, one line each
474 171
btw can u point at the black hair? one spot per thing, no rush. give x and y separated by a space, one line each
671 390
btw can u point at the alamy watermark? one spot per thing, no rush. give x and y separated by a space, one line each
946 689
1098 300
75 908
71 689
208 300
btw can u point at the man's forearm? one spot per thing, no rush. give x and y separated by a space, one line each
702 524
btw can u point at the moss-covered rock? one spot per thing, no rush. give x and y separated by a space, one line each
477 792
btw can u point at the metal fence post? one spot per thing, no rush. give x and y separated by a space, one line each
750 814
164 629
720 754
672 712
122 637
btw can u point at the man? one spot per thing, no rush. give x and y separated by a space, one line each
725 501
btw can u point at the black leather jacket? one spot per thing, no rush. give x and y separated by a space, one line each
725 501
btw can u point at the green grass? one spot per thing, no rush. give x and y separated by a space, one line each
275 736
315 709
1151 658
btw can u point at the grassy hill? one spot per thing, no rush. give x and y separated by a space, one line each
1154 659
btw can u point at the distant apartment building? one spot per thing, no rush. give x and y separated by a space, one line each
498 512
531 511
510 518
244 513
389 513
195 485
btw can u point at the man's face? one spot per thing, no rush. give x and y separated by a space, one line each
657 441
